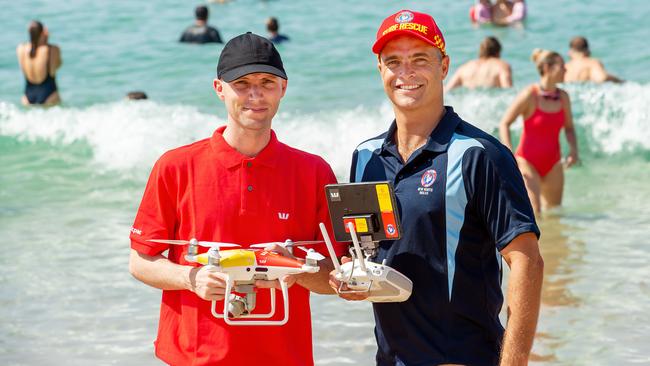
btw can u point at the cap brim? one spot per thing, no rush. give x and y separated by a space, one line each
240 71
381 42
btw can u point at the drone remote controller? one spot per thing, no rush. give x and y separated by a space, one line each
381 282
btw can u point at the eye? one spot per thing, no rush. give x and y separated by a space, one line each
391 64
421 61
241 84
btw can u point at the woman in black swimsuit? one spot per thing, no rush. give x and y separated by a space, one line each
39 62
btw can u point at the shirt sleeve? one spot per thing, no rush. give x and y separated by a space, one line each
353 166
327 177
500 195
156 216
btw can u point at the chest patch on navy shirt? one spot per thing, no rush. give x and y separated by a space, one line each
427 180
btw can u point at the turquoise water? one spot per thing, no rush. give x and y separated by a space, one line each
71 177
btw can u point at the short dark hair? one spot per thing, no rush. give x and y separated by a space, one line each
272 24
580 44
201 12
136 95
490 47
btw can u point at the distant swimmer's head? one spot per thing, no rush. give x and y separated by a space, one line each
490 47
36 33
201 13
548 63
580 45
247 54
136 95
272 25
413 24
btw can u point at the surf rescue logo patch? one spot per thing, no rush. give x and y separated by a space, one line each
427 180
404 17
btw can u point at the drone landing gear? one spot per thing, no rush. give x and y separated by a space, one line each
241 307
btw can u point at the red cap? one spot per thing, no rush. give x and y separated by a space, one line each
409 23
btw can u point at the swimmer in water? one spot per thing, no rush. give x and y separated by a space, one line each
583 67
488 71
136 95
39 61
200 32
481 12
506 12
273 27
545 109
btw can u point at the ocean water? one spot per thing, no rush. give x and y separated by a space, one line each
71 176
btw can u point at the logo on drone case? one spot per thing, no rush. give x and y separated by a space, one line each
335 196
404 17
390 228
428 178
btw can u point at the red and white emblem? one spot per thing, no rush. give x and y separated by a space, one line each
428 178
404 17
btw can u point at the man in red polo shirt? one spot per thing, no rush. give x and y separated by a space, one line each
243 186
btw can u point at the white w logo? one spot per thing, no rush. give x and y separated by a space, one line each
283 216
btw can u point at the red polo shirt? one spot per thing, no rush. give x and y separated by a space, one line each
209 191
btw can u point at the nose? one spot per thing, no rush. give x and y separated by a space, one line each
406 70
255 91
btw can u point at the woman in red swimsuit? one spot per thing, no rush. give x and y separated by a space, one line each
546 109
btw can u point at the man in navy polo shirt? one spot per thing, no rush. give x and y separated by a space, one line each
463 206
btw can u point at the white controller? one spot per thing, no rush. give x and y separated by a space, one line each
381 282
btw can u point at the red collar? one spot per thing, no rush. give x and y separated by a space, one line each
231 158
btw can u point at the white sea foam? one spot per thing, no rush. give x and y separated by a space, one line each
123 135
616 116
130 136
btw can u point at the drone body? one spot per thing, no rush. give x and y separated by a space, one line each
242 268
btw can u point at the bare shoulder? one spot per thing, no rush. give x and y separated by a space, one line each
596 63
564 95
469 65
528 91
20 48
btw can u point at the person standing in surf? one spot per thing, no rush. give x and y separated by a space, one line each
546 110
241 185
463 208
39 62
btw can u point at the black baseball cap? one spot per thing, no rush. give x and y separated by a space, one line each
246 54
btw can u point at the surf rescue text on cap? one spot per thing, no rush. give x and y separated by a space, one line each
410 23
246 54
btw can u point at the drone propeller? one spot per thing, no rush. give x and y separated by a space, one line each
287 244
207 244
312 254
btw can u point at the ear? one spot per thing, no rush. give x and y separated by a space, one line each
217 85
284 86
444 63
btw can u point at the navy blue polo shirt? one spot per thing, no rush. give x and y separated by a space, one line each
461 200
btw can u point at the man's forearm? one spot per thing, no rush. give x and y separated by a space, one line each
524 292
160 272
318 282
